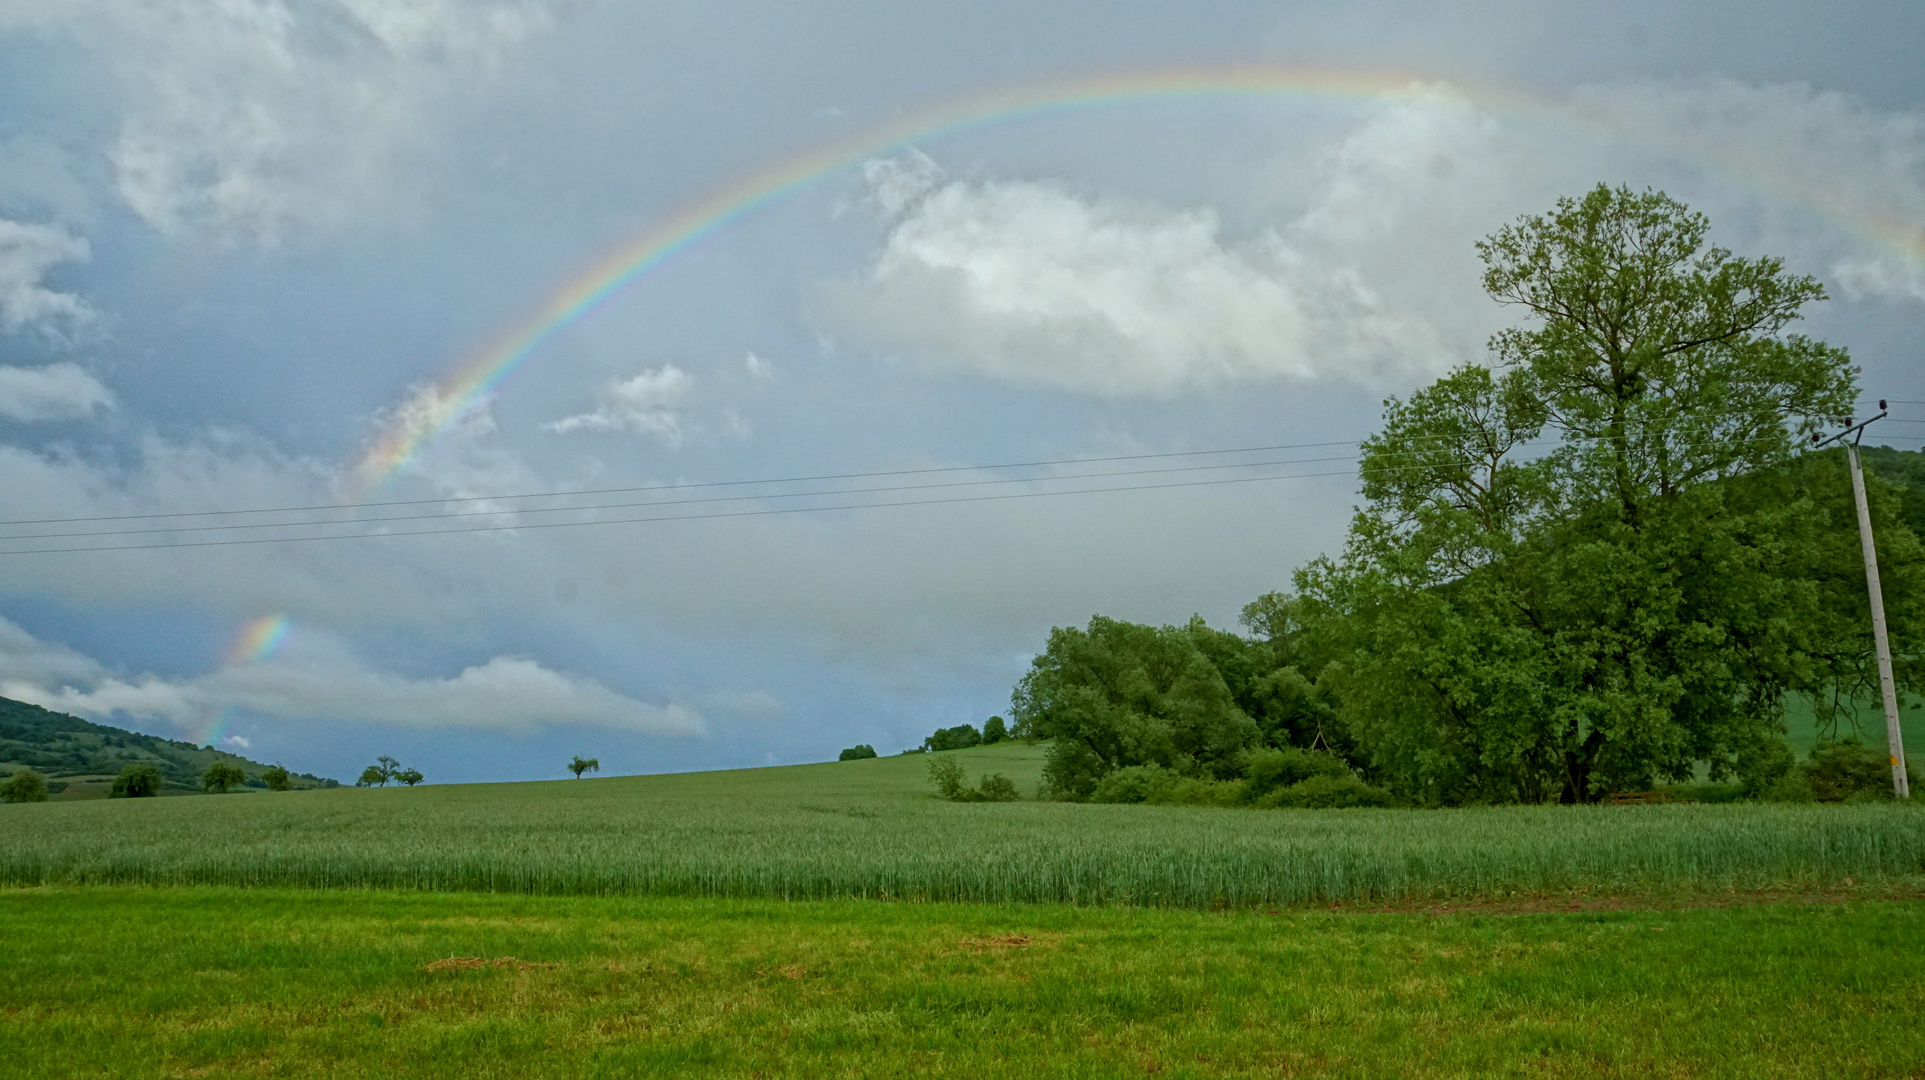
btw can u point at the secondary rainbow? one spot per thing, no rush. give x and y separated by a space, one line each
468 385
259 639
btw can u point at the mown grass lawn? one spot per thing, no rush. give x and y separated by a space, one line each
210 982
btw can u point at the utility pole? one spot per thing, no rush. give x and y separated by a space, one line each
1894 736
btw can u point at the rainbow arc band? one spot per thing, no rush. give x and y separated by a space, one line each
466 386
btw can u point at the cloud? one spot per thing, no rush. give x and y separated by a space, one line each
1857 171
1032 283
27 252
505 693
247 117
652 403
54 392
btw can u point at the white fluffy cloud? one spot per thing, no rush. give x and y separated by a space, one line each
246 117
55 392
505 693
1032 283
652 402
27 252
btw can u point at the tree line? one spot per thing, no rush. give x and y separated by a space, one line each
1601 561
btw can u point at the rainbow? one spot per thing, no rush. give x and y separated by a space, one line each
468 385
259 639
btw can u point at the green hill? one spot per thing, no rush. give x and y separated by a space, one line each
82 758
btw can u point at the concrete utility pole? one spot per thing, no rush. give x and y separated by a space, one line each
1894 736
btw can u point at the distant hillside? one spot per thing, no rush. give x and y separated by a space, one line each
71 749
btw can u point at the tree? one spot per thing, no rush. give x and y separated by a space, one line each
1119 694
372 776
581 765
221 776
137 781
857 752
277 778
25 785
994 730
960 737
1514 624
410 777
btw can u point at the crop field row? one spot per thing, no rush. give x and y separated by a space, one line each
869 829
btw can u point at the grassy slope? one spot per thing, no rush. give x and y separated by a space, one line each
222 983
870 829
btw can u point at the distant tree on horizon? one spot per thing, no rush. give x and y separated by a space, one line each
857 752
138 781
584 764
221 777
410 777
277 778
25 785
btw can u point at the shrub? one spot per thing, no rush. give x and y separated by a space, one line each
277 779
998 788
24 786
411 777
857 752
1266 770
1763 767
1325 792
1837 771
137 782
960 737
221 776
994 730
947 775
953 784
1133 784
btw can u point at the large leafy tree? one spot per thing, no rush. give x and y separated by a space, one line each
1597 563
1120 694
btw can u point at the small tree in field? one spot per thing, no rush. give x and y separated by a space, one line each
137 782
24 786
222 776
277 779
584 764
410 777
372 777
857 752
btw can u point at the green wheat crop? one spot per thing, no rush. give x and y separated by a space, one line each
870 829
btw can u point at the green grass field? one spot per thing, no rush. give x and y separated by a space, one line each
199 982
871 829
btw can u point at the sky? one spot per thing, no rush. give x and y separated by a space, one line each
418 260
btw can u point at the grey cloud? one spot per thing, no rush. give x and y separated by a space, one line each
54 392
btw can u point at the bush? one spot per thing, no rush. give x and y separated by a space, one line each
960 737
1158 786
994 730
1837 771
137 782
277 779
998 788
953 784
221 776
1763 767
24 786
1266 770
858 752
1326 792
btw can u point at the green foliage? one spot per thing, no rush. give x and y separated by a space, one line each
577 765
277 779
372 776
951 782
411 777
1838 771
1268 769
994 731
1328 792
1119 694
960 737
138 782
1639 600
222 776
24 785
1158 786
857 752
